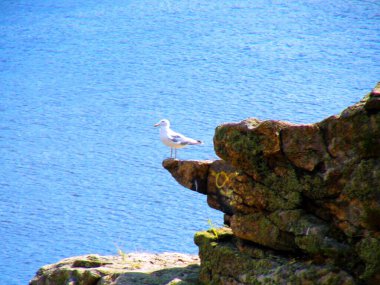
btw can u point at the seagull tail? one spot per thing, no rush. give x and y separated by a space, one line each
194 142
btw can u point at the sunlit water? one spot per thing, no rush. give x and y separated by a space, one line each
83 82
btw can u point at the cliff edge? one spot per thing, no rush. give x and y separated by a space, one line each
302 205
302 202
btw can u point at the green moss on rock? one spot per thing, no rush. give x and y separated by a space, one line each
364 182
234 144
222 263
258 228
369 251
287 187
309 189
91 261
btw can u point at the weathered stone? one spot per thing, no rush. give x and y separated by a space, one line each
219 185
353 135
190 174
259 229
364 180
369 251
223 264
310 190
232 191
373 102
251 145
303 145
125 269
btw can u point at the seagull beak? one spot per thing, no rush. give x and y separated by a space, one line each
156 125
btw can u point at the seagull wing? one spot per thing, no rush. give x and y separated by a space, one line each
181 139
176 137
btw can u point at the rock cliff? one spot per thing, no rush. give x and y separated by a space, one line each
302 205
302 202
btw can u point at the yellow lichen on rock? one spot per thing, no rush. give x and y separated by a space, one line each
312 191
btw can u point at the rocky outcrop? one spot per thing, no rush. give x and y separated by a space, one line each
227 260
124 269
298 198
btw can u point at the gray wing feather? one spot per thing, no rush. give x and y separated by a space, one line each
181 139
176 139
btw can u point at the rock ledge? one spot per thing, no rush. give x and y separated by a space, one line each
125 269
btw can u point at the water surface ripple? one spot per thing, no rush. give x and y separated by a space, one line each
83 82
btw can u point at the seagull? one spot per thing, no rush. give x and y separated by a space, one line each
172 139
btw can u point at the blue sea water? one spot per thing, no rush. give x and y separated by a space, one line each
83 82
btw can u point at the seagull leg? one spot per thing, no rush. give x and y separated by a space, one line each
171 152
175 153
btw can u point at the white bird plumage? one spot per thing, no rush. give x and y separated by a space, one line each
173 139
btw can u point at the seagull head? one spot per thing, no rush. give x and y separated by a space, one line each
163 123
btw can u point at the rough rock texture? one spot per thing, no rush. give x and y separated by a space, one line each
227 260
188 176
125 269
308 193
